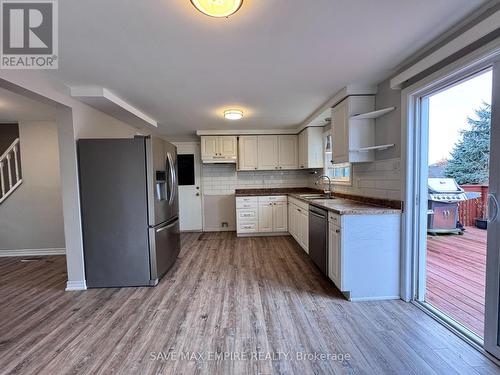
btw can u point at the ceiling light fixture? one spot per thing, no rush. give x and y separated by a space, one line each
217 8
233 114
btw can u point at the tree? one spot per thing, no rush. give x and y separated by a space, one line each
469 163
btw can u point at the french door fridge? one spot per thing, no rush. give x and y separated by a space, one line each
129 207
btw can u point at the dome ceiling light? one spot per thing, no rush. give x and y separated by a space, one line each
217 8
233 114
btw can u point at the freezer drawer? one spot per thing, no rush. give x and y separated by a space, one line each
165 246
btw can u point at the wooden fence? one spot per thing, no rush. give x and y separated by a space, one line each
472 209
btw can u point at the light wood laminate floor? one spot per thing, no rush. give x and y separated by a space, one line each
225 296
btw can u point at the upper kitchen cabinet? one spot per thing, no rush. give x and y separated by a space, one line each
267 152
248 153
311 148
287 152
218 149
353 130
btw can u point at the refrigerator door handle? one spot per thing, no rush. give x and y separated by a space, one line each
166 227
172 178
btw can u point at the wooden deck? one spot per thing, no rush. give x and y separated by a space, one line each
456 273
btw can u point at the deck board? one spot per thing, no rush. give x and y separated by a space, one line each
456 276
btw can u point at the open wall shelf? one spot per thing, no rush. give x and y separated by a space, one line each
372 114
376 148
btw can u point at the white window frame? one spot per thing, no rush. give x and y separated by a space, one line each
330 168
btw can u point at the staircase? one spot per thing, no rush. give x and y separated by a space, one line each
10 173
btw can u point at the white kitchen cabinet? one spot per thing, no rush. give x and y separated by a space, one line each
280 217
334 259
304 230
311 153
248 153
267 152
247 215
209 147
340 133
265 217
218 149
287 152
364 255
353 130
298 222
262 215
293 221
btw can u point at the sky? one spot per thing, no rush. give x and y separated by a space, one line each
448 112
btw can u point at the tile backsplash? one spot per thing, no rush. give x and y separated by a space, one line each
223 179
379 179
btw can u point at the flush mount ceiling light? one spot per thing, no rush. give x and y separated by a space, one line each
233 114
217 8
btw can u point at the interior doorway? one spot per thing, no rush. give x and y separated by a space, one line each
190 197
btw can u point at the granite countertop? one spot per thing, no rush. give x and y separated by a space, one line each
339 205
344 206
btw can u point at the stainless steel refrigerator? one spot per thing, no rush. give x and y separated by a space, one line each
130 210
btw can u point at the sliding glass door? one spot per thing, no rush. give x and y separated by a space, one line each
492 311
455 177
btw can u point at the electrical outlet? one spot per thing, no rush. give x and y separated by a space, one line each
224 224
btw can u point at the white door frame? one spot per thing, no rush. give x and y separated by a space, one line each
188 148
414 139
492 311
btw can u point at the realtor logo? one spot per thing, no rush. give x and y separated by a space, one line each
29 37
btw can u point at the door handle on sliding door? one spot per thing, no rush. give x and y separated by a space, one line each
492 208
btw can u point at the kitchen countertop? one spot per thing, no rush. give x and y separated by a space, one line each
341 206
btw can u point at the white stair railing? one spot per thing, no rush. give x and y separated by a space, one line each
9 179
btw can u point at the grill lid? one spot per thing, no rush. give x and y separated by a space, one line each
444 185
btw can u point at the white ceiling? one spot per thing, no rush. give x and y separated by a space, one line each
16 108
279 60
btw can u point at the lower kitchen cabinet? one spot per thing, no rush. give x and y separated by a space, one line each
334 254
364 255
261 215
298 222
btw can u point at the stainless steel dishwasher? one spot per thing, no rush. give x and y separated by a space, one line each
318 237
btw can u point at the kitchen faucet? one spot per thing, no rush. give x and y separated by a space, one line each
322 177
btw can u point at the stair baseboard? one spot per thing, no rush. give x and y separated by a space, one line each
32 252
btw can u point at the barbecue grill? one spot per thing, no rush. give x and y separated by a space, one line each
444 197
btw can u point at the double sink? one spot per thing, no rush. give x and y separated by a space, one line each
315 196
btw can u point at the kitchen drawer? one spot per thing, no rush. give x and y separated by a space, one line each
247 214
246 200
273 198
300 204
242 204
248 227
334 218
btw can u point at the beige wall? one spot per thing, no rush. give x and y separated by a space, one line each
32 217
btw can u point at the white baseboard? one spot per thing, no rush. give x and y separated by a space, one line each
227 229
72 286
32 252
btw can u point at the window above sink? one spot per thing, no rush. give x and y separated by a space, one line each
340 174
